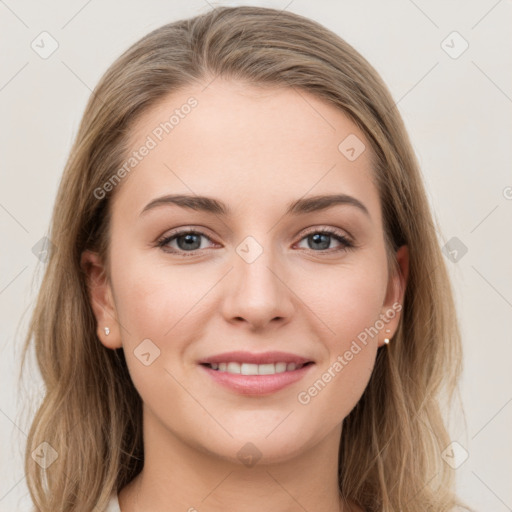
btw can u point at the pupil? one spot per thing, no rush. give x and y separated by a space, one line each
319 238
189 241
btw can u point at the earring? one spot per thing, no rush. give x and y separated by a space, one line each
386 340
107 331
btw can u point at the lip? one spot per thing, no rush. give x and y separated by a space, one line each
256 384
255 358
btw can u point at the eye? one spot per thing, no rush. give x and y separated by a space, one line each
321 239
187 241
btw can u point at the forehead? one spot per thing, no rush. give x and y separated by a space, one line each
248 144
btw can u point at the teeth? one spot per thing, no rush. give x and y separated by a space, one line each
255 369
233 368
280 367
249 369
266 369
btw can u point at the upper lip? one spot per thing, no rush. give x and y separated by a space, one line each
255 358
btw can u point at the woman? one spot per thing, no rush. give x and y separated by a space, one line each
246 306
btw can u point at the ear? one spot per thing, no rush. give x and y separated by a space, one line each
101 299
393 303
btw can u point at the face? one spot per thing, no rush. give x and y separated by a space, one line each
263 265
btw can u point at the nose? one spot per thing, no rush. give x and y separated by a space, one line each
256 292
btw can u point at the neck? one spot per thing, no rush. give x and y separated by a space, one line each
180 477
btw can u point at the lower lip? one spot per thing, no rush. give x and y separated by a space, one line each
257 384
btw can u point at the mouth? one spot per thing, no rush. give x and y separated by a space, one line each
256 374
236 368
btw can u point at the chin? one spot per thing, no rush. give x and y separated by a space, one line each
251 446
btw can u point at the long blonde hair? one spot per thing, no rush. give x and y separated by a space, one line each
91 415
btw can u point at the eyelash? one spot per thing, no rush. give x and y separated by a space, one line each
346 243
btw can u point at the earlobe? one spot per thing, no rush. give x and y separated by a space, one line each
101 299
393 305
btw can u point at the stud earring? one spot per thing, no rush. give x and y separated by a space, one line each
107 331
386 340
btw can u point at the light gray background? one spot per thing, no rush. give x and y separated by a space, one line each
458 113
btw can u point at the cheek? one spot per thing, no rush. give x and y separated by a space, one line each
346 299
153 299
349 308
159 309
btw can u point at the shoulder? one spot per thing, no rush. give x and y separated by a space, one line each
113 504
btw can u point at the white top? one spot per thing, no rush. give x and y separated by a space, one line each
113 504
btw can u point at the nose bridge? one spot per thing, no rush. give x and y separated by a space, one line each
256 290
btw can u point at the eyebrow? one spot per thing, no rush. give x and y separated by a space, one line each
298 207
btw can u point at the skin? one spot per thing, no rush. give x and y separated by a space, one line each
256 150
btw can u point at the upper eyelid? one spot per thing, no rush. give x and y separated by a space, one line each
204 231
